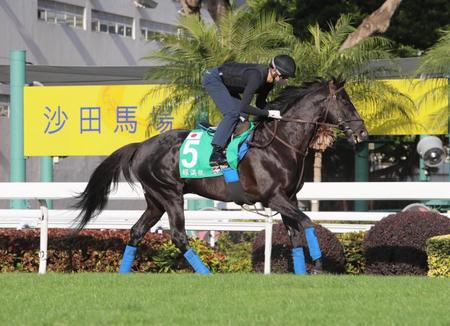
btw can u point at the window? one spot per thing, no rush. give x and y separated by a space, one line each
112 24
60 13
128 31
51 17
4 110
95 25
41 14
103 27
79 21
112 28
120 29
150 29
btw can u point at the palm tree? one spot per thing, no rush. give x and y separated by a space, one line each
238 36
436 63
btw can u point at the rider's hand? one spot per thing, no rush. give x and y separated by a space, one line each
275 114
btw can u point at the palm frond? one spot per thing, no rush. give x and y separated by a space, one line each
239 36
436 61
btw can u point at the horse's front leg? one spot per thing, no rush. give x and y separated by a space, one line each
294 218
298 256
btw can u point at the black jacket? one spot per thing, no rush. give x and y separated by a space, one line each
247 79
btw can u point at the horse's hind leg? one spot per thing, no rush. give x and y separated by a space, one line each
148 219
175 211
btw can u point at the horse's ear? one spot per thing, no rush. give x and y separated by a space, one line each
339 81
331 84
334 84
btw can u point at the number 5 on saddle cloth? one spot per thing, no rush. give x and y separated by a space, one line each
194 159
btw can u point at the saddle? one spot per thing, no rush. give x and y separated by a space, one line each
196 150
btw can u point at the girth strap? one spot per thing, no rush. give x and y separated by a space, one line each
234 187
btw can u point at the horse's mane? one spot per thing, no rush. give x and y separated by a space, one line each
291 94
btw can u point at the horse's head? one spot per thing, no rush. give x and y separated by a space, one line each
339 110
321 103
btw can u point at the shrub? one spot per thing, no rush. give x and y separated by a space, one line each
438 251
96 251
237 248
352 243
281 262
396 244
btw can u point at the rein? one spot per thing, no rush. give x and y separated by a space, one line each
274 135
295 120
332 97
331 125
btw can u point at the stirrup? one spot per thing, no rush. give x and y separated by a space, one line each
219 168
220 163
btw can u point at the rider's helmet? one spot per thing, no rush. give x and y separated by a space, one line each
284 64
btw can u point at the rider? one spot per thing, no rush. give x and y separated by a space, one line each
226 82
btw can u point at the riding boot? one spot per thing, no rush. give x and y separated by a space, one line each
217 156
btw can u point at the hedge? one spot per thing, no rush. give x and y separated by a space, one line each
438 251
352 243
237 248
396 245
98 251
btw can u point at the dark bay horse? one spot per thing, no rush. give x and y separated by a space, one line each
270 173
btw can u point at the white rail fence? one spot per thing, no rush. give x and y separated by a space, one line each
211 219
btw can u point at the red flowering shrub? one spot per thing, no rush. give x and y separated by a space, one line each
96 251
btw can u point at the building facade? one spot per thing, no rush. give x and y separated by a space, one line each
84 32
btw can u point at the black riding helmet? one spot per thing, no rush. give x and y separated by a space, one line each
284 64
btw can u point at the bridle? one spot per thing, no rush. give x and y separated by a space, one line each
342 124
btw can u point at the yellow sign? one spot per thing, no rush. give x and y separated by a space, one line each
420 107
96 120
90 120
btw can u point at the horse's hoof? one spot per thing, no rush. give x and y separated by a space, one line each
317 268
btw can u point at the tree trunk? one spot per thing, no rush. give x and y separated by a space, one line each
317 177
216 8
378 21
191 7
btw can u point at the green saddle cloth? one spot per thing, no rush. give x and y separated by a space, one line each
196 150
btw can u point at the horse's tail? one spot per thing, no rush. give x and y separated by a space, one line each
94 198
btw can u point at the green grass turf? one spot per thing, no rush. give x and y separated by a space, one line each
230 299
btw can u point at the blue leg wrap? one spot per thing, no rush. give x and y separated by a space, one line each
127 260
230 175
299 261
196 263
313 243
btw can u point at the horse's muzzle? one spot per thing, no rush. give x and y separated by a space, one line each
355 137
